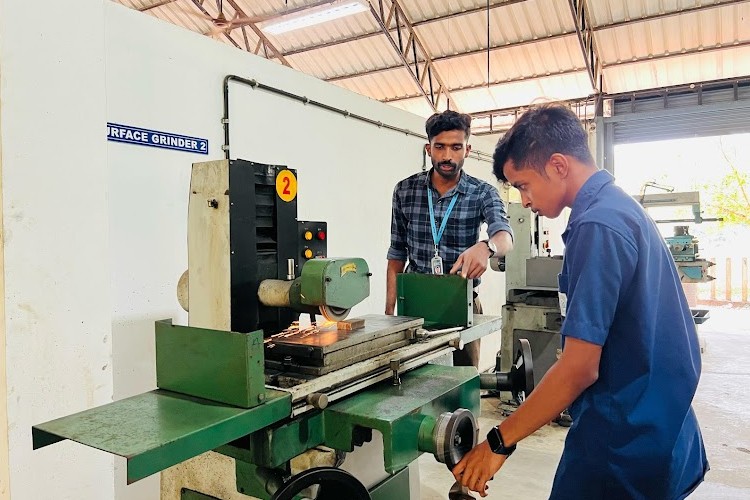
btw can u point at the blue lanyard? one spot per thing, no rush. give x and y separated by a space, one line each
436 235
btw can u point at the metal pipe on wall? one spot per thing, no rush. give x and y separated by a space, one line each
479 155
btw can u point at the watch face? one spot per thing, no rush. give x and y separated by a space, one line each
493 439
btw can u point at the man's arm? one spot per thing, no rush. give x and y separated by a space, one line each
473 261
394 267
503 241
577 369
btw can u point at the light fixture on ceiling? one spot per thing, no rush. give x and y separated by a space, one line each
311 17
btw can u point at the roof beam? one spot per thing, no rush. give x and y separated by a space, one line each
156 5
267 45
492 84
682 88
390 17
698 50
293 10
585 33
602 27
454 56
370 34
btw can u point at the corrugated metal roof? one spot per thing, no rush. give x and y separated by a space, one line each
357 56
515 63
525 21
382 86
677 69
672 35
522 93
534 47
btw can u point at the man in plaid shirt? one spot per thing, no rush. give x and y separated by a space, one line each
460 204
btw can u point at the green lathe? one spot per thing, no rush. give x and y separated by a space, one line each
253 401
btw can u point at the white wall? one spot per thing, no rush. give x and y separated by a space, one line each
55 184
96 231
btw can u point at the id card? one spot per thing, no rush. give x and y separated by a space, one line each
437 265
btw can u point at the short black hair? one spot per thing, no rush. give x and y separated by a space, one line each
446 121
538 134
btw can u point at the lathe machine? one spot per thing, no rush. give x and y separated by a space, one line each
321 409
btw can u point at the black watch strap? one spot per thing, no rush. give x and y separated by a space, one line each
495 440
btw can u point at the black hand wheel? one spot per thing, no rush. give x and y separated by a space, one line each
332 484
519 380
522 372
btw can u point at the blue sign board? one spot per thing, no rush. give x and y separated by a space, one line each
154 138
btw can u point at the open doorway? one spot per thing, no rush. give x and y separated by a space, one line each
719 168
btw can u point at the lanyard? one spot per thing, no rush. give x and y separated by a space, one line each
436 235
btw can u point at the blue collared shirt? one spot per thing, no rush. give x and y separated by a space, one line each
411 237
634 433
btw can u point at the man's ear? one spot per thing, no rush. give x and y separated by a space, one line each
428 149
468 150
560 165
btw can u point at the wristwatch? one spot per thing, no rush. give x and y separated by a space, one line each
491 246
495 440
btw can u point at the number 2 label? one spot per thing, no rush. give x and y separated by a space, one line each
286 185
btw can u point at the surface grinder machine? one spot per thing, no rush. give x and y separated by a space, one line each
254 403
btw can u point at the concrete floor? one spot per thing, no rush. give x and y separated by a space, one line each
722 404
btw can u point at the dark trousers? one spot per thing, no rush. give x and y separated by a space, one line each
469 355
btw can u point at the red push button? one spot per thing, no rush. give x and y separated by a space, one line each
321 235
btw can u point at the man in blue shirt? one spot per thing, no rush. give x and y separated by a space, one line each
631 361
437 216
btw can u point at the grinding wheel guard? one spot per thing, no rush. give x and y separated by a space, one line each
337 284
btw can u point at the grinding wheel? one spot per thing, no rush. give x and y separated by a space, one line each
334 313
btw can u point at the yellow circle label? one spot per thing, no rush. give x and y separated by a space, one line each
286 185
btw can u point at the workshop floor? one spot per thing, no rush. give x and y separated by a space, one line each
722 404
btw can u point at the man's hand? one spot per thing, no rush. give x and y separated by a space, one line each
472 262
477 467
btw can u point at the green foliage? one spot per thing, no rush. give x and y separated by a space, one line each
727 197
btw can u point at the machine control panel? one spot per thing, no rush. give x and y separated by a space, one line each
312 240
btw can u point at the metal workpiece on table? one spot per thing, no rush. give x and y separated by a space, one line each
328 348
159 429
328 340
360 375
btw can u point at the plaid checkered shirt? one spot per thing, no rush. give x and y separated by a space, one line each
478 202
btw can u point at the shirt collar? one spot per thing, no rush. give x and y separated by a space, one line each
588 192
462 186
